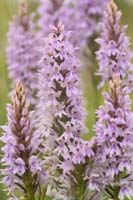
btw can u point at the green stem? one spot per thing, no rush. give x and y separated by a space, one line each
116 198
80 187
116 191
39 198
112 192
27 178
44 193
81 192
116 195
31 195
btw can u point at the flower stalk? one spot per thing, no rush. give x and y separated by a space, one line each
114 55
23 168
22 52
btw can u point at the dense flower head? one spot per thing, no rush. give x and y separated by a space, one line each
114 55
22 52
114 143
79 16
49 12
60 96
23 169
61 112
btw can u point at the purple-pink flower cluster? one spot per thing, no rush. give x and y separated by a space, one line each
114 144
80 16
114 55
59 92
22 52
60 108
24 170
44 153
49 12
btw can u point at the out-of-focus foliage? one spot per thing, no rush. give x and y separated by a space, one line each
7 9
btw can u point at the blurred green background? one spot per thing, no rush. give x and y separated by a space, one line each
7 9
